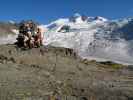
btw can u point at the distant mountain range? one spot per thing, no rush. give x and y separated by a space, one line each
94 37
91 37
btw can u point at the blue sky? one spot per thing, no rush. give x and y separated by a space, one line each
45 11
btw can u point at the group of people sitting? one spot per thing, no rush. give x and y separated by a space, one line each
29 35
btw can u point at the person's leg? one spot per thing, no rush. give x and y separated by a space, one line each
38 43
31 43
25 41
41 41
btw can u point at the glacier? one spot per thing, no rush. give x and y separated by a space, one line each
94 38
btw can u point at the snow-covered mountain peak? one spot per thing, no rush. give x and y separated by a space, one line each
100 18
61 21
77 18
76 15
12 22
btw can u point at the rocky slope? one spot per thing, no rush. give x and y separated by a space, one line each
7 28
50 73
8 32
